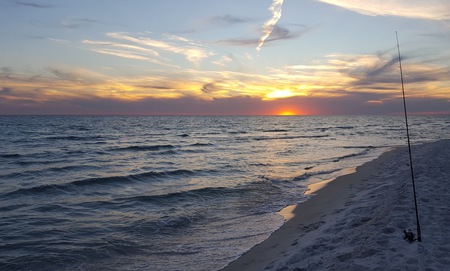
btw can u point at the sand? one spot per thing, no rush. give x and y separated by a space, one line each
356 222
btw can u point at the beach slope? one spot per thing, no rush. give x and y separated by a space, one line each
356 222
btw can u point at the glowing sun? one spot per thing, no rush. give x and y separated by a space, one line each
287 113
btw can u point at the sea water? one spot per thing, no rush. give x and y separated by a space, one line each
169 192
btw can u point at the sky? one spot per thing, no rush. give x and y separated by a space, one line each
223 57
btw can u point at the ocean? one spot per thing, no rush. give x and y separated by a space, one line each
170 192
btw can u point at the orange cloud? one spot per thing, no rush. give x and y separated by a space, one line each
373 78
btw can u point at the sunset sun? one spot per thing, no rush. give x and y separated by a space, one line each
288 112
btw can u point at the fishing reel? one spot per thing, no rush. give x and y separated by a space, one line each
409 236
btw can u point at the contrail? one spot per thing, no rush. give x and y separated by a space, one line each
268 26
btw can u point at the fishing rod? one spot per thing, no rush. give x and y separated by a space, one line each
419 235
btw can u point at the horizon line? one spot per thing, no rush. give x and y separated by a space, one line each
222 115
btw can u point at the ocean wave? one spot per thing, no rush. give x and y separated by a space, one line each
37 160
258 164
288 137
201 144
12 207
333 128
10 155
340 158
79 128
344 127
41 189
308 175
71 168
75 138
237 132
362 147
197 148
276 131
195 194
44 170
168 224
146 148
168 152
101 181
131 178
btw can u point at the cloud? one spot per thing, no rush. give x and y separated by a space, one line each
154 87
68 23
421 9
6 90
32 5
210 88
6 72
282 33
223 61
383 67
121 45
345 75
193 54
228 20
59 41
51 84
269 25
340 83
144 48
76 75
239 41
191 50
278 33
75 23
380 72
126 51
125 54
64 75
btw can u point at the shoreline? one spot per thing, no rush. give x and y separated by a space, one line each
327 197
356 221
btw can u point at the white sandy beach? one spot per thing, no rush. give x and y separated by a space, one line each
356 222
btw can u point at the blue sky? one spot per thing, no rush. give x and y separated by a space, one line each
223 57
